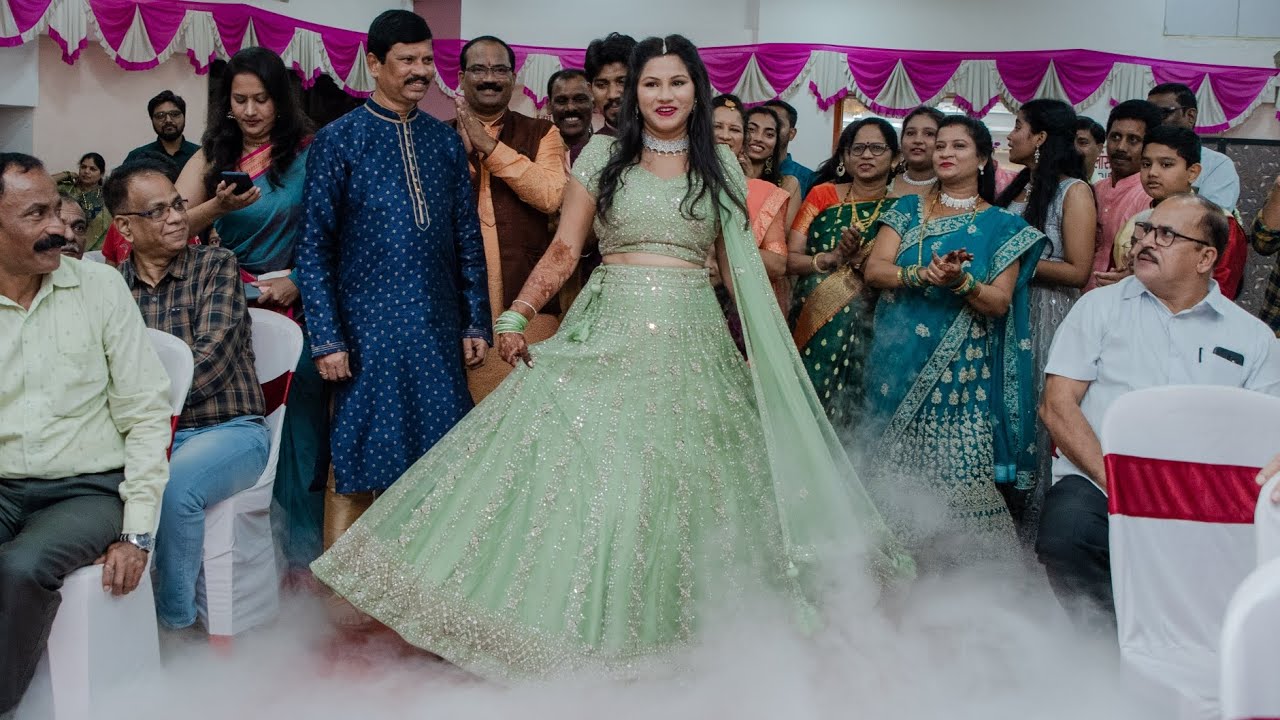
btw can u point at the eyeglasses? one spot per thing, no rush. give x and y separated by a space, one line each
480 71
1164 235
877 149
166 115
1166 111
159 212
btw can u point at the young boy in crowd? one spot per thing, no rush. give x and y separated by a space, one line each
1170 164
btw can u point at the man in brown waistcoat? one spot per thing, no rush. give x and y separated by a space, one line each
519 171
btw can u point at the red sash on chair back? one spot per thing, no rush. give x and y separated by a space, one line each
274 392
1177 490
173 430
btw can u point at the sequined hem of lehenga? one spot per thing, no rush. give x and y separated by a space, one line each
479 640
588 512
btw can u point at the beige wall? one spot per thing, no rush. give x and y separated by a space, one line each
96 106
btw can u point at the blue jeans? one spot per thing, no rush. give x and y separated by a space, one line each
208 465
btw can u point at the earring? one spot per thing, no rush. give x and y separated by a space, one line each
768 166
840 169
231 116
1037 155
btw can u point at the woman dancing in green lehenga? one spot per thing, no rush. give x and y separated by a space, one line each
636 468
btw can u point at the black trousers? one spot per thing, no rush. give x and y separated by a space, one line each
48 528
1073 546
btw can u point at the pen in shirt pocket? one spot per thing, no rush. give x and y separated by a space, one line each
1230 356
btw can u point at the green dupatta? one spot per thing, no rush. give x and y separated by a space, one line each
828 519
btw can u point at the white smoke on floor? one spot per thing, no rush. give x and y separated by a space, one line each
980 644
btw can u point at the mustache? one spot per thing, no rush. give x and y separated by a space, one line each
580 114
611 104
418 79
489 86
49 242
1148 255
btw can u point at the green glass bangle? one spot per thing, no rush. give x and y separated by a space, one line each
510 322
966 285
910 276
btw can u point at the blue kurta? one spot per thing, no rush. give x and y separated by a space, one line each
392 270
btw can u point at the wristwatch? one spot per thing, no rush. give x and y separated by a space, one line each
140 540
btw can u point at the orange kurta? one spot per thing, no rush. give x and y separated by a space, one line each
539 183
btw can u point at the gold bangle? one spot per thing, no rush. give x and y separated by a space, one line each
816 268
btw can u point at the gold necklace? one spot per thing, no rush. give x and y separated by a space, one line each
924 223
854 221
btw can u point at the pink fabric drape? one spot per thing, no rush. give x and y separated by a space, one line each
1082 74
26 14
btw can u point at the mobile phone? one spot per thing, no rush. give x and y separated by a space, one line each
1229 355
240 180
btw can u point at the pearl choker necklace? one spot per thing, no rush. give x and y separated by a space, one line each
918 183
968 203
665 147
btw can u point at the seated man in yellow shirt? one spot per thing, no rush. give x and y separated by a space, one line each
84 423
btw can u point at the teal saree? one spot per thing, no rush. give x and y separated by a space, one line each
950 393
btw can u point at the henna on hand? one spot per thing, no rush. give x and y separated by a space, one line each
548 276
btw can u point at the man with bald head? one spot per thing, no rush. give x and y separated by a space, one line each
1167 324
84 423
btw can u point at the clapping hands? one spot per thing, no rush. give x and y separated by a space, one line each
946 271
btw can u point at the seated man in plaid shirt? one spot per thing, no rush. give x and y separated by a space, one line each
194 293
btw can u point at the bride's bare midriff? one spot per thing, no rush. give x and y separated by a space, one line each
647 259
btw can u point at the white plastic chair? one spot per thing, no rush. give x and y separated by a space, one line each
98 641
1181 468
178 363
238 587
1250 647
95 256
1266 522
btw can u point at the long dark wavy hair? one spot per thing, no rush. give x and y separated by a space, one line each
223 142
826 172
1058 158
985 146
706 175
773 168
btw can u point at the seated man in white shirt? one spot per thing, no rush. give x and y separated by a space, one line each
1166 324
1218 179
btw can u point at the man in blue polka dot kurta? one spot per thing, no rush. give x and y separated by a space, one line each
392 271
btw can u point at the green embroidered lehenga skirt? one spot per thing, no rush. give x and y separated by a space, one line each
580 517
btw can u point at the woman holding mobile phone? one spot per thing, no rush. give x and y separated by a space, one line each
246 182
